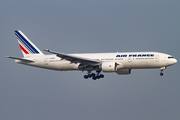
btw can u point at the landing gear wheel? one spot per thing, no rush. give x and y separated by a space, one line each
86 76
94 78
161 74
98 77
93 75
89 75
101 76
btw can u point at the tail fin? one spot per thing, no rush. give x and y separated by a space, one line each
27 47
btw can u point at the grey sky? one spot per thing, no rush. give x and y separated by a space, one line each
80 26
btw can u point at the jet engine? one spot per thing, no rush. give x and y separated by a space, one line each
108 66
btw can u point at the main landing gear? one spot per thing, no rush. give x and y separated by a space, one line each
93 75
162 69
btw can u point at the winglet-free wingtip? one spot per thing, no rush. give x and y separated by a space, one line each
47 50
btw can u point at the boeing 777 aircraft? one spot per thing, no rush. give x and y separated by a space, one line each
121 63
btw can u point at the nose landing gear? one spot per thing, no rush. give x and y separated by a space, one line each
162 69
161 74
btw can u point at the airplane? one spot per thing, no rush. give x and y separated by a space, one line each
120 62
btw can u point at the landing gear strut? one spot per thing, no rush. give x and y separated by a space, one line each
89 75
93 75
162 69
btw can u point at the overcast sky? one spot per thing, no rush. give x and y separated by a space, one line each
88 26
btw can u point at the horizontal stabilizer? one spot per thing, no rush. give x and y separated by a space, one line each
23 59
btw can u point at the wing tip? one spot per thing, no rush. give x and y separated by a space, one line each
47 50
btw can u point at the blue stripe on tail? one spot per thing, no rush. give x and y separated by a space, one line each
23 43
26 43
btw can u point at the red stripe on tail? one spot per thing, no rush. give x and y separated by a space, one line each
23 49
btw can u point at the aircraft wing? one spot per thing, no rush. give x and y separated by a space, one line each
75 59
23 59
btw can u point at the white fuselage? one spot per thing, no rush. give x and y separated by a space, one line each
121 63
126 60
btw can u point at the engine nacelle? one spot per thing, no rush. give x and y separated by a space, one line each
108 66
123 71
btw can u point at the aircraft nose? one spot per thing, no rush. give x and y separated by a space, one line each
175 61
172 61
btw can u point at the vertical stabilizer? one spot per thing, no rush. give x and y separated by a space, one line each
27 47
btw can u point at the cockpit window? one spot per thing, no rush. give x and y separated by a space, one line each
170 57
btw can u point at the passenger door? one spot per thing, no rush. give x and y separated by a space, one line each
157 58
